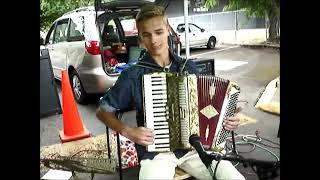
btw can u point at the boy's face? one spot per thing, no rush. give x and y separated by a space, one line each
154 35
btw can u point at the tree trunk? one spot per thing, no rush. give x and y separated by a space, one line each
274 23
273 31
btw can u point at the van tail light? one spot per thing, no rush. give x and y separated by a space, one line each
93 47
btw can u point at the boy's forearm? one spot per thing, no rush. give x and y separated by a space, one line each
110 120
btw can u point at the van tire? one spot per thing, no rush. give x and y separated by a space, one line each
79 93
211 42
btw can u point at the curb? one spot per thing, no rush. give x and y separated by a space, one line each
277 47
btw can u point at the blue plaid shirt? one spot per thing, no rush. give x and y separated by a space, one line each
126 93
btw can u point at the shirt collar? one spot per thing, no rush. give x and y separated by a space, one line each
149 59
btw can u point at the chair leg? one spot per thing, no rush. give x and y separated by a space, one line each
119 116
119 156
118 150
108 141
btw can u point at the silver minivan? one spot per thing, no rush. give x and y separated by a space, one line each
82 40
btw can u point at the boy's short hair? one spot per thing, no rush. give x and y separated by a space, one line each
150 11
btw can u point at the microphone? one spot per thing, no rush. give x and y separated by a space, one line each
194 140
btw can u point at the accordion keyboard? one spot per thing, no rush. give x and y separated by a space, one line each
223 134
156 114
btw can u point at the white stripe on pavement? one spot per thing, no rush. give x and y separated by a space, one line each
224 65
195 55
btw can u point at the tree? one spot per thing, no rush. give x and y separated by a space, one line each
257 8
52 9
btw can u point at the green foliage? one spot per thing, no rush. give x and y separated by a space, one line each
50 10
211 3
256 8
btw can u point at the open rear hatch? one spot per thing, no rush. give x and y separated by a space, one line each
116 5
116 56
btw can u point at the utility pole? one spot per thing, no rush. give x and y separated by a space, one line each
186 25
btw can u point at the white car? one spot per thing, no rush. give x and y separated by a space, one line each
197 36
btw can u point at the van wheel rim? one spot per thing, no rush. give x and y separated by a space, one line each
212 43
76 86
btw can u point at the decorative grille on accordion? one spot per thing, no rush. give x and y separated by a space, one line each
177 106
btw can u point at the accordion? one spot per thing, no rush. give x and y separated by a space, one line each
179 105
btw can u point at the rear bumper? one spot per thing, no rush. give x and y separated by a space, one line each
96 80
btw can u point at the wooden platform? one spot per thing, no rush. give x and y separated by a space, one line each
180 174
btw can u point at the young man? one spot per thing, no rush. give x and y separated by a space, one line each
152 24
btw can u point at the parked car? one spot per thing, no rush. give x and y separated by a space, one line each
42 37
92 43
197 36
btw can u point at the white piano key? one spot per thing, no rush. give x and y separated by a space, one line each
161 123
161 127
155 80
159 146
159 114
162 76
158 79
159 109
160 87
161 141
158 102
155 106
162 136
160 90
163 131
158 97
159 118
158 123
162 96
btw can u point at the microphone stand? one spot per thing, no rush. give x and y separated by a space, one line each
233 143
264 168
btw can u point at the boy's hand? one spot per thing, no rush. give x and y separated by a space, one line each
232 123
140 135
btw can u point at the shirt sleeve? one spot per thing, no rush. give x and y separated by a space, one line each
119 96
192 67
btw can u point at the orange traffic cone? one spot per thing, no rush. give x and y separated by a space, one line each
73 128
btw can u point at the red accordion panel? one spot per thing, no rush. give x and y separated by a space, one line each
211 95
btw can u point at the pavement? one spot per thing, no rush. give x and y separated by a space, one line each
259 44
263 124
264 44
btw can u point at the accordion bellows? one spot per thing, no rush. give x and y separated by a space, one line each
179 105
